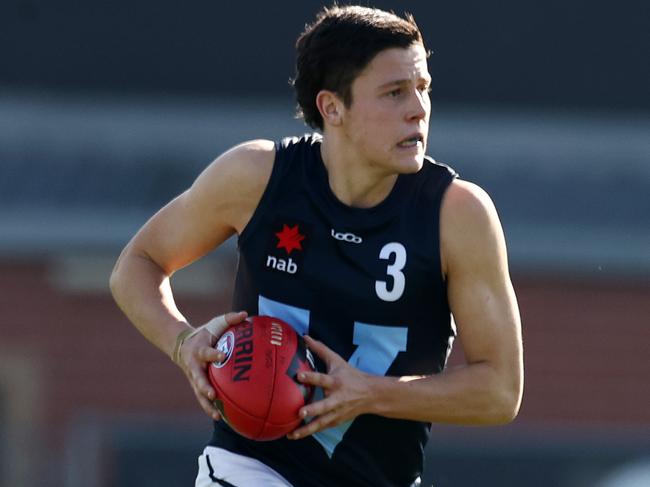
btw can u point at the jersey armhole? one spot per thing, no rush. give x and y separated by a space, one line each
262 205
450 177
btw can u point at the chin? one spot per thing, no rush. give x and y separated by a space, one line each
411 165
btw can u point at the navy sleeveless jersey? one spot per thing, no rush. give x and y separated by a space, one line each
367 283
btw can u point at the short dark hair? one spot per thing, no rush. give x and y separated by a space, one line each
334 50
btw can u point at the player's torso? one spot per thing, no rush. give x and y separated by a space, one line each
366 282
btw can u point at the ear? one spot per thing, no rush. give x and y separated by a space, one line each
330 107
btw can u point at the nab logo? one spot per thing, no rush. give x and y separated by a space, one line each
289 239
281 264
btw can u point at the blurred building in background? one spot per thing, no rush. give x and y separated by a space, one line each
107 111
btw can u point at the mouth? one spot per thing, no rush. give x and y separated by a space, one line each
413 140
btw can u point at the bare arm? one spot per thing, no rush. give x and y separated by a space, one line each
217 205
488 388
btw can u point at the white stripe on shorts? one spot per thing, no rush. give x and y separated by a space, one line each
235 470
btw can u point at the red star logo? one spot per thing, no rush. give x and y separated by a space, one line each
289 238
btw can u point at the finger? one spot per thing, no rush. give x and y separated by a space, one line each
202 384
208 407
235 317
323 351
209 355
318 408
317 424
317 379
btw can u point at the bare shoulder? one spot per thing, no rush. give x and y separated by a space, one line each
470 230
466 200
219 203
234 183
247 165
248 156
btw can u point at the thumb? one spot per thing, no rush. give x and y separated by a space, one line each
217 325
235 317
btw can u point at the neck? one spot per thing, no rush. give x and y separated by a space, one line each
353 181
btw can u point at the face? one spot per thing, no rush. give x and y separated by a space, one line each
387 122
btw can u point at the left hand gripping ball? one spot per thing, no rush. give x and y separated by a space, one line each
258 393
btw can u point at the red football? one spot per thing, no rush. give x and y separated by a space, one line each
258 393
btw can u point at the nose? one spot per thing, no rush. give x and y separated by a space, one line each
419 105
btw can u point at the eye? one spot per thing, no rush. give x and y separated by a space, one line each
395 93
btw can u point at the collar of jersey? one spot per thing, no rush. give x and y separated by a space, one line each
341 213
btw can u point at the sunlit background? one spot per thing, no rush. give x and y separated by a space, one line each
109 109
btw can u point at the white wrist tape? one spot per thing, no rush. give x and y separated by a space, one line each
215 327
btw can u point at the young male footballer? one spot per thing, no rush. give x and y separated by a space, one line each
360 242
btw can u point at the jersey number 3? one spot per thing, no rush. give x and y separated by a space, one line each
394 270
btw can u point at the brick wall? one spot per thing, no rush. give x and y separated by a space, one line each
586 352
